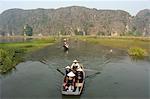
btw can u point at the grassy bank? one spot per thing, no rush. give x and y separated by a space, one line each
12 53
30 45
120 42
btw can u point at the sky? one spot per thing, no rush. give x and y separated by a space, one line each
131 6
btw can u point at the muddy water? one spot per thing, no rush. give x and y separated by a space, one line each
120 77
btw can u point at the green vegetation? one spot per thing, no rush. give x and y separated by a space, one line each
121 42
30 45
28 30
9 58
12 53
137 52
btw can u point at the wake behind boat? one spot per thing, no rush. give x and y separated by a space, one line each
74 79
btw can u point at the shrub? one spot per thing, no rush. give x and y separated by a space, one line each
9 58
137 52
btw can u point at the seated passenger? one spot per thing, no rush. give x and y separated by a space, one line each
71 79
67 69
65 86
79 75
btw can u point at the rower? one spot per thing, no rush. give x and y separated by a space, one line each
66 46
75 65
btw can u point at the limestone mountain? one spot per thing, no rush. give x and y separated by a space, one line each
141 22
74 20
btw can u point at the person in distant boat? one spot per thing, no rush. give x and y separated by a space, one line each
65 46
75 65
65 40
68 69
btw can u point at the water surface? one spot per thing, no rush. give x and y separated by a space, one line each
120 77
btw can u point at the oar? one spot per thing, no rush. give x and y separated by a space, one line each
44 62
97 72
93 75
90 70
60 71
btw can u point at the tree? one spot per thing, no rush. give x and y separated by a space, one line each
28 30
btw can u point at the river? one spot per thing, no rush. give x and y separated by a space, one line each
120 76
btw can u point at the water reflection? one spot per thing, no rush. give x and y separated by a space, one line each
138 58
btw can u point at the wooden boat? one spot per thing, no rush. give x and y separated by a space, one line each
66 47
75 88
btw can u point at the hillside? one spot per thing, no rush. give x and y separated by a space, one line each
75 20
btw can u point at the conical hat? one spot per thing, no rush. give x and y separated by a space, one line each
67 67
71 74
75 61
79 69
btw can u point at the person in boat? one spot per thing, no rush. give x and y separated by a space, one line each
75 65
68 69
65 40
65 45
65 85
79 75
70 81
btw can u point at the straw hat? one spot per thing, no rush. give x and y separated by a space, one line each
71 74
75 61
65 39
79 69
67 67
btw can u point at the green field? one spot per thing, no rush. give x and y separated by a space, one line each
30 45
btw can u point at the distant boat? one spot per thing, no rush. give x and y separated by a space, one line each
66 47
77 88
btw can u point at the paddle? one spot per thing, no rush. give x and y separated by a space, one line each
60 71
93 75
44 62
91 70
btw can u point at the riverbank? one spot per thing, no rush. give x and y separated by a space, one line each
13 53
30 45
122 42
